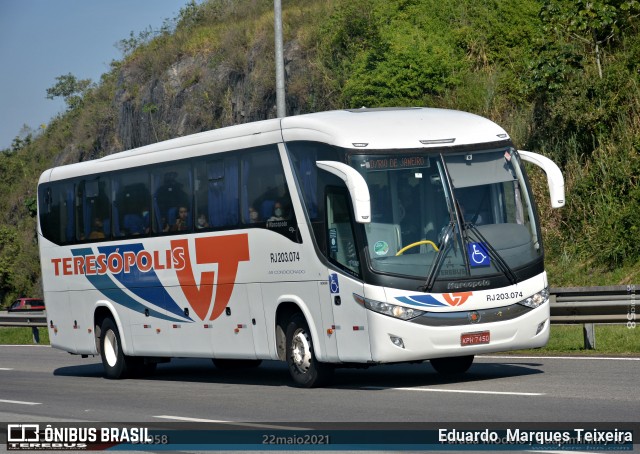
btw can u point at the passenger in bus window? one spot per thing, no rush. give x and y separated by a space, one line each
253 215
169 196
97 231
278 213
202 221
182 221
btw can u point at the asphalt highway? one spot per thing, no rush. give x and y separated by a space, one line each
39 381
42 384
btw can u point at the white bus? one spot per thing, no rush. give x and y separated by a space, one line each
354 237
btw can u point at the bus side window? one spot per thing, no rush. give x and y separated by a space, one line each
172 199
217 193
313 182
265 197
57 218
264 185
200 193
94 222
341 241
131 207
81 233
44 209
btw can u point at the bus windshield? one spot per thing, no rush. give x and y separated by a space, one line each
448 216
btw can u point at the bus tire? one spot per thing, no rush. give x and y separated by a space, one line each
305 369
453 365
116 364
234 364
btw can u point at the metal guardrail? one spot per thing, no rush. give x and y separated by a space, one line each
591 305
611 304
34 320
579 305
38 318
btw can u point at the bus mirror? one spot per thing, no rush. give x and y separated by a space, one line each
356 185
554 175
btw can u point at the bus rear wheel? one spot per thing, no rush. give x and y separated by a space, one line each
305 369
116 364
453 365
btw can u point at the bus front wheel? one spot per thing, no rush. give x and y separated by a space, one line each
304 368
116 363
453 365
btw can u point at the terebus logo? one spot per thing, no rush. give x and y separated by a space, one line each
135 269
450 299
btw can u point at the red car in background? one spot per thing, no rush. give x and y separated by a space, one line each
27 304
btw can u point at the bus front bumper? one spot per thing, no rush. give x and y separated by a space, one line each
394 340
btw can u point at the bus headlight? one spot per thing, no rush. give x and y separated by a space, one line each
392 310
537 299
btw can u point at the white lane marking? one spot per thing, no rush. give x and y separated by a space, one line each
6 368
462 391
26 345
19 402
231 423
600 358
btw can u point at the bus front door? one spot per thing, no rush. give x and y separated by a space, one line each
349 317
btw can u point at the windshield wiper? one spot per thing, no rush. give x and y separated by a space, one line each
493 253
455 223
439 260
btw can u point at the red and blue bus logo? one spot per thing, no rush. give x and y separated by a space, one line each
426 300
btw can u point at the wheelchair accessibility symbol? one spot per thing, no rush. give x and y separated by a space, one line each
334 287
478 255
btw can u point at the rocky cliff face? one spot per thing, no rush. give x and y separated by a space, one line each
204 92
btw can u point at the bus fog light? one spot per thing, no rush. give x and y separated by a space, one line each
397 341
540 327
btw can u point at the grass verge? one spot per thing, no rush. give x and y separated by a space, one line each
22 336
616 340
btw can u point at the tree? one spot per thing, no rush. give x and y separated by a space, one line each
593 23
9 249
19 143
23 139
71 89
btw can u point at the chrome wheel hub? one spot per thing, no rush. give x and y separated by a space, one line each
110 348
301 351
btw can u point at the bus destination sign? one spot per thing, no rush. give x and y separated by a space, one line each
396 162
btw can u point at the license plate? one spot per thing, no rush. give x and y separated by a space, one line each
481 337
